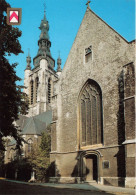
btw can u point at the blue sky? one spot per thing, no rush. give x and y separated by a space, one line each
65 17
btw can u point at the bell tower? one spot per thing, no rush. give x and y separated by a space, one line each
44 45
39 79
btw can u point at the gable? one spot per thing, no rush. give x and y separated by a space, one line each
95 32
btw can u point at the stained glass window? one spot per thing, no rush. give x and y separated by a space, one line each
91 114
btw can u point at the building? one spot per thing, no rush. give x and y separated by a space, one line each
31 131
93 135
91 103
38 84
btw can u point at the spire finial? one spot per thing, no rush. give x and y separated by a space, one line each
44 8
88 6
28 52
28 59
59 63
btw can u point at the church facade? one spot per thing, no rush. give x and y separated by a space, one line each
93 127
91 104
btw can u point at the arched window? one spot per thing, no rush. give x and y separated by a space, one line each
32 92
49 90
90 114
30 145
36 87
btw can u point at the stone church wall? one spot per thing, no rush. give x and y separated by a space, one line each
109 53
129 103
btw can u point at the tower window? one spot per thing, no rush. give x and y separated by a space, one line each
91 114
88 54
49 90
30 145
32 89
36 87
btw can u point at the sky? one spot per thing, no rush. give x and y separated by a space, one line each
65 17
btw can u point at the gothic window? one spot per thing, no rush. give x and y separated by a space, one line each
49 90
91 114
31 84
30 145
36 87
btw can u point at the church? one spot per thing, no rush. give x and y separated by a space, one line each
90 105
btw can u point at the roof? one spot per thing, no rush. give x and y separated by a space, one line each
11 142
45 117
37 124
33 125
21 122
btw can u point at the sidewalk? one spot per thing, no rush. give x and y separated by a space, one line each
91 187
94 187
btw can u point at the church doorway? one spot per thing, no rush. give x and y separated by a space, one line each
91 168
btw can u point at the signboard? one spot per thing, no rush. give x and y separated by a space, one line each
14 16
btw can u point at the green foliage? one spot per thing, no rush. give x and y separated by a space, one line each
38 160
12 100
39 157
45 145
8 34
1 158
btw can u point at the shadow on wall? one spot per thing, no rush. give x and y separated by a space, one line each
77 173
80 170
53 174
121 132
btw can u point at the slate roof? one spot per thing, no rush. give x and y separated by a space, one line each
45 117
21 122
37 124
12 142
33 125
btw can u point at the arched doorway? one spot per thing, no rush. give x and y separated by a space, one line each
91 164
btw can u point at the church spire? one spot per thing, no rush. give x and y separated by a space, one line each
44 27
44 11
44 44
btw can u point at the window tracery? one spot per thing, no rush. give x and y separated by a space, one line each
91 114
30 145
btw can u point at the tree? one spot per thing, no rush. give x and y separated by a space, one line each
37 161
1 163
40 157
12 99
